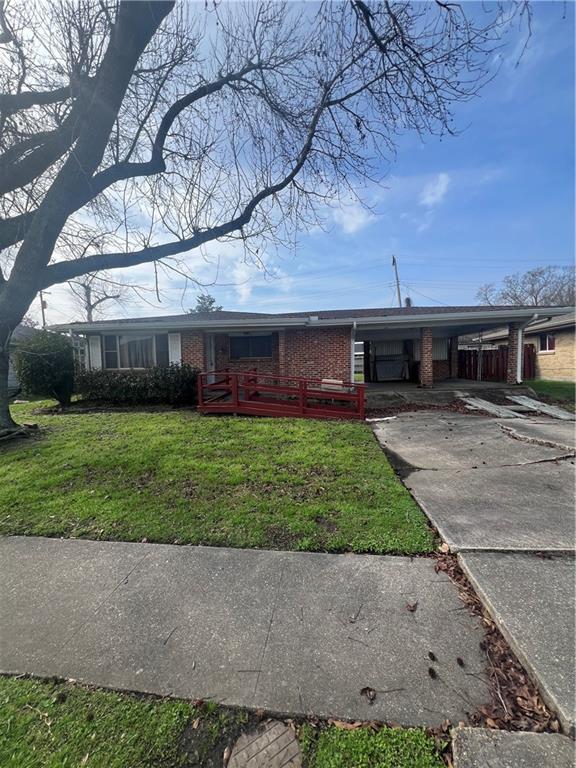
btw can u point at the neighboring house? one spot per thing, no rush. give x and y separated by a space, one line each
21 333
554 340
418 344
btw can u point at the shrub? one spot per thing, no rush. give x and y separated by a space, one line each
45 366
172 385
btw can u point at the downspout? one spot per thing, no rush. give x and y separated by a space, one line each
520 348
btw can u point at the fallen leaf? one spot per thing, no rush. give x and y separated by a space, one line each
431 656
460 662
369 694
260 713
412 606
195 724
344 725
444 548
491 723
432 672
226 756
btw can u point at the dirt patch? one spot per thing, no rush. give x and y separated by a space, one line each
458 406
280 537
516 704
326 524
211 735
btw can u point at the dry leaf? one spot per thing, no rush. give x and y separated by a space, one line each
491 723
195 724
369 694
412 606
226 756
444 548
344 725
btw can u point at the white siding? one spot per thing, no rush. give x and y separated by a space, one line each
174 349
439 349
95 352
389 347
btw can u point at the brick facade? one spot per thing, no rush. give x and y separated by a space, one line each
426 361
192 349
559 365
322 353
440 370
511 371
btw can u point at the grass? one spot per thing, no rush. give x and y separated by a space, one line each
364 748
563 392
175 476
47 724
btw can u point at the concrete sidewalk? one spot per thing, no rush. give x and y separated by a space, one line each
500 492
289 632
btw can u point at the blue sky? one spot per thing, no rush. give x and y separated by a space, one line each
456 212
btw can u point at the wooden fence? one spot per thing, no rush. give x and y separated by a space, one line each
494 363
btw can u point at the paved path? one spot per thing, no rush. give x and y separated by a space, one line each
485 483
289 632
482 748
499 491
532 599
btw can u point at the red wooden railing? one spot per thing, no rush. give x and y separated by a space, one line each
266 394
494 363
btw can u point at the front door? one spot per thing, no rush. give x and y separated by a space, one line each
210 356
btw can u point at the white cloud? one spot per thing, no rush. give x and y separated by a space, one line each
434 192
352 217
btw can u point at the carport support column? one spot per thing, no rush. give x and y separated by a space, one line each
514 368
426 363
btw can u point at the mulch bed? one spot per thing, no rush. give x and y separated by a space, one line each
458 406
516 704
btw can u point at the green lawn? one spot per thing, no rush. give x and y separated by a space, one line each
174 476
562 391
45 724
364 748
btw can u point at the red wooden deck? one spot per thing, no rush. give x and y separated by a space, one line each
266 394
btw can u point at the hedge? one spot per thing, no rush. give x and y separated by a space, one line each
44 366
172 385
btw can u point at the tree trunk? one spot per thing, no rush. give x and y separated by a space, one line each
6 420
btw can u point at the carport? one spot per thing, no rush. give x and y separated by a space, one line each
420 344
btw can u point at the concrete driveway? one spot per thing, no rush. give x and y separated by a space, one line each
501 494
488 484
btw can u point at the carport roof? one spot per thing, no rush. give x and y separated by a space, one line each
486 316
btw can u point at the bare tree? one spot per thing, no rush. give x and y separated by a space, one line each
542 286
91 292
191 126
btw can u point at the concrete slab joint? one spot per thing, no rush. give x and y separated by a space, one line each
484 748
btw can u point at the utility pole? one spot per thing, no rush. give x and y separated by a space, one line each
43 308
399 295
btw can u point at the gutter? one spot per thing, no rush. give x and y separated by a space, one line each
271 323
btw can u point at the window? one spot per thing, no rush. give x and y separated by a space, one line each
110 352
547 342
250 346
136 350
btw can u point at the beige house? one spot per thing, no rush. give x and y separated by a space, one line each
555 344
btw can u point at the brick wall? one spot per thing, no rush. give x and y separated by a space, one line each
193 348
511 372
426 362
559 365
441 369
322 353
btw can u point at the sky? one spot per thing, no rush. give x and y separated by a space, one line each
457 212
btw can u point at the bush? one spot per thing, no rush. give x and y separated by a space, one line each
45 366
172 385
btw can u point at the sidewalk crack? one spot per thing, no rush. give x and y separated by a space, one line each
276 596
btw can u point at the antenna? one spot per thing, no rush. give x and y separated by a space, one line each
398 294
